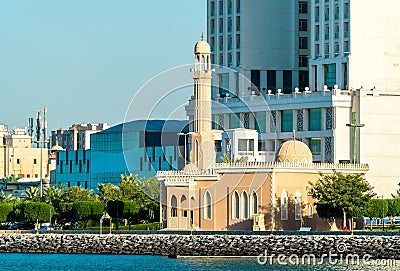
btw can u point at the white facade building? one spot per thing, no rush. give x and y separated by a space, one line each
355 44
264 40
347 114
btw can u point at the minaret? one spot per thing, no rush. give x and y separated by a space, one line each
202 154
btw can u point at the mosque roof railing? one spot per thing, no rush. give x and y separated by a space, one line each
257 165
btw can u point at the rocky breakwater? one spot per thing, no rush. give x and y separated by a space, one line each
202 245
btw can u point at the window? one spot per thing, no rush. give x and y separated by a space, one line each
221 8
235 205
238 6
212 8
271 80
287 121
237 59
314 119
297 205
255 79
223 84
234 120
330 75
237 41
303 7
174 206
303 61
237 23
287 82
229 24
303 25
303 79
18 161
254 202
229 6
212 26
315 146
303 43
221 59
218 145
260 119
207 205
245 204
310 211
183 205
284 205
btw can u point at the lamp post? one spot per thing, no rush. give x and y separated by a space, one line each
355 143
104 216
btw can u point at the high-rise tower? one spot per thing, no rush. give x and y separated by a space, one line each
202 154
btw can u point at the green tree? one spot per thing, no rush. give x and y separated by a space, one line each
31 212
349 193
376 208
397 195
5 210
123 209
108 192
33 193
227 159
8 198
77 193
129 186
393 208
87 210
53 193
151 187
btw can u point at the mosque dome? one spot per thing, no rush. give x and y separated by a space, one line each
294 151
190 169
202 47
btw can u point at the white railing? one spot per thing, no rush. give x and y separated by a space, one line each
181 173
291 165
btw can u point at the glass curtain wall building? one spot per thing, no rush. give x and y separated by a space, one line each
138 147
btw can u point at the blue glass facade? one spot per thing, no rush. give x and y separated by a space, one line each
138 147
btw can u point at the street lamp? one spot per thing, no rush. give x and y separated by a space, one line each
105 216
355 143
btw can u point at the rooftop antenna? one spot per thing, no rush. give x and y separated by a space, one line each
44 130
30 127
37 128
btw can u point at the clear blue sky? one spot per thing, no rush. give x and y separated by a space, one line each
85 59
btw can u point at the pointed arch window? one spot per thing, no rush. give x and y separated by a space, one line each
184 206
254 203
284 205
245 204
207 205
235 205
297 205
174 206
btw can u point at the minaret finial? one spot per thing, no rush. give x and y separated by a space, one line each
202 35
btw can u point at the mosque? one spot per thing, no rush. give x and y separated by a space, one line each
251 195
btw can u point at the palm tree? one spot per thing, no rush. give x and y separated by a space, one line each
77 193
8 198
33 193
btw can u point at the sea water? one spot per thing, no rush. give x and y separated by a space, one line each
89 262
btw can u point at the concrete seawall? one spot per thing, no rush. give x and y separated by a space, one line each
201 245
